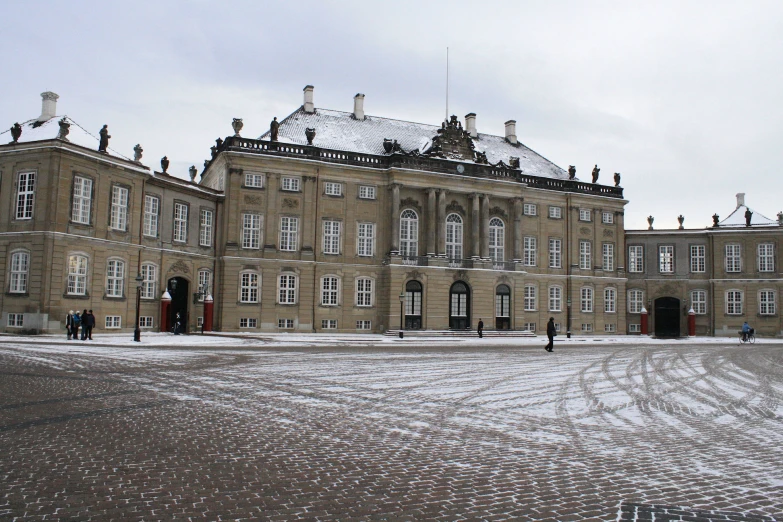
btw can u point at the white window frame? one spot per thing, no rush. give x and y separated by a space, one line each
363 324
610 328
586 299
15 320
587 327
367 192
497 240
409 233
698 258
248 322
529 251
607 250
205 228
585 254
529 327
251 231
290 184
365 296
285 324
666 259
331 237
78 267
585 214
529 209
555 298
454 236
699 301
249 287
149 276
330 290
146 321
610 300
151 215
733 257
734 302
365 239
332 188
555 253
530 300
204 283
254 180
113 322
115 277
82 200
25 194
180 233
555 212
289 233
607 218
636 259
767 302
328 324
120 196
766 257
634 328
635 301
19 274
287 288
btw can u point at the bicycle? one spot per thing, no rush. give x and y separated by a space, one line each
749 338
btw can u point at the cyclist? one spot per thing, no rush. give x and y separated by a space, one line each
746 329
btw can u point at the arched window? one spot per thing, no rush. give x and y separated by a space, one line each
454 236
497 239
115 277
502 301
149 275
409 233
20 264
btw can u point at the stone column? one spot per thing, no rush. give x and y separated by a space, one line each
395 233
475 225
485 227
441 222
517 229
431 220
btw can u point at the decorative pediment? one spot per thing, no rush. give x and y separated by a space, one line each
499 212
461 275
179 267
410 202
455 207
452 142
504 279
414 275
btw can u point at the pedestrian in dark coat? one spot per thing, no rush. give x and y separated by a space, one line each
76 321
69 324
84 325
89 321
481 328
551 332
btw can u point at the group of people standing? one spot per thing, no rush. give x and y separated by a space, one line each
74 321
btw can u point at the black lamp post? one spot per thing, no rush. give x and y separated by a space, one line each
137 331
402 316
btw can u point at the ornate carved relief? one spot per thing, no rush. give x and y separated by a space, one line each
410 202
461 275
499 212
608 233
253 200
414 274
504 279
584 231
455 207
290 203
180 266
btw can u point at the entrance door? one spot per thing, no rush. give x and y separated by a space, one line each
459 313
667 317
503 307
413 290
178 288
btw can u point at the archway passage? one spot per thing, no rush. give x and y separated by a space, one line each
178 288
459 309
667 317
503 307
413 291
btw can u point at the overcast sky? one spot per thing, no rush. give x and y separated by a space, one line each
682 98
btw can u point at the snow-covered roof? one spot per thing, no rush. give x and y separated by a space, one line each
342 131
737 218
33 130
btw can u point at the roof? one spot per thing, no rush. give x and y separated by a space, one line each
33 130
340 130
737 218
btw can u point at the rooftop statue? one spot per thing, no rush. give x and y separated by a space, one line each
571 172
274 128
616 179
715 219
309 134
748 216
137 150
237 126
650 221
596 170
104 142
16 132
192 171
65 128
164 164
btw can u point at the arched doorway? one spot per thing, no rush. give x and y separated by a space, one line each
459 309
667 317
178 288
413 291
503 307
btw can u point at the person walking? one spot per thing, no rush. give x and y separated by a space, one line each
89 322
84 325
76 322
551 332
69 324
481 328
177 324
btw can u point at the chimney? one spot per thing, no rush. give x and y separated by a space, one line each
470 124
49 106
308 99
358 106
511 131
740 199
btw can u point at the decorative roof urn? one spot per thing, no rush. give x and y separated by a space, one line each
681 219
192 171
16 132
65 128
310 134
164 164
715 219
650 220
237 125
388 144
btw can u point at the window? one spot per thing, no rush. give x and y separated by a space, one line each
698 258
151 208
610 328
113 321
587 299
366 192
733 258
333 189
610 300
409 233
365 241
503 301
145 321
607 218
251 231
205 230
329 287
699 301
82 199
331 237
585 214
636 258
287 289
364 325
248 287
634 328
555 299
285 324
767 302
290 184
734 302
607 251
25 195
248 322
666 259
199 322
149 276
529 327
529 251
15 320
530 300
254 180
587 327
115 278
364 291
585 255
556 212
766 257
180 222
497 239
289 232
329 324
204 283
119 208
529 209
20 264
555 253
77 275
635 301
454 236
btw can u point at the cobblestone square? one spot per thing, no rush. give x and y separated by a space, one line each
416 432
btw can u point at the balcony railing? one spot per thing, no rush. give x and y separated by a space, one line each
504 265
415 260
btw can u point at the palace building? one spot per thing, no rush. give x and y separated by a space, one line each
345 222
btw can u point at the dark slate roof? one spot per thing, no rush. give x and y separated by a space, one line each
341 131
